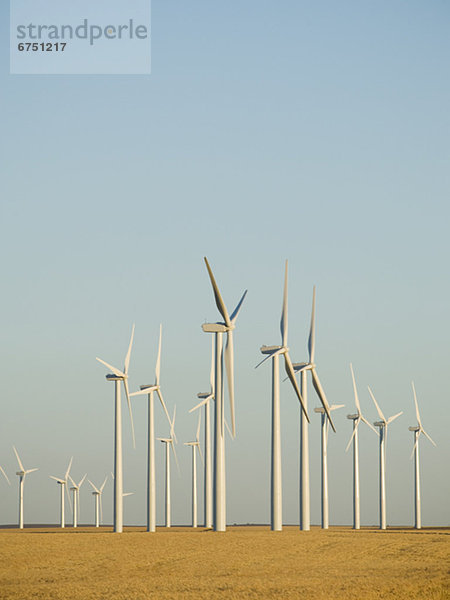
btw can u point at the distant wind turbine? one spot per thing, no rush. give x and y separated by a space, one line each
417 431
22 474
195 445
273 352
148 391
63 483
76 499
228 326
356 418
97 493
169 444
383 425
117 376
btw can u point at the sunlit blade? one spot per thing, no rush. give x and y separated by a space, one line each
415 445
172 425
175 455
219 302
200 453
5 475
353 434
202 403
127 357
163 404
290 373
82 481
370 425
236 311
229 367
228 429
212 374
394 417
355 391
312 329
68 496
376 405
319 390
428 437
68 469
271 355
72 481
145 392
111 368
93 487
336 406
284 310
57 479
103 484
127 393
197 437
18 459
128 494
158 359
417 406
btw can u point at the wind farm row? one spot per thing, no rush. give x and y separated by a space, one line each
211 411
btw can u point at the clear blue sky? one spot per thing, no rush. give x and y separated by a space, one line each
316 132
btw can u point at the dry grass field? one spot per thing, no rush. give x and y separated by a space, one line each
244 562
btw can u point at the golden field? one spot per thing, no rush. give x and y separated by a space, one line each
244 562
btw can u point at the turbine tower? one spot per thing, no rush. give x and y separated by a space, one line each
97 493
117 376
63 484
219 514
206 398
22 474
356 418
148 391
195 445
383 425
417 431
303 368
169 444
76 499
324 445
273 352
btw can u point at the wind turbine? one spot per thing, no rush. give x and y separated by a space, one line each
219 329
206 398
274 352
63 484
117 376
195 445
148 391
356 418
383 425
303 368
324 444
417 431
76 498
97 493
169 444
22 474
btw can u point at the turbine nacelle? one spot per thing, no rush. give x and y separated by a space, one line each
414 428
216 328
299 367
380 423
111 377
353 417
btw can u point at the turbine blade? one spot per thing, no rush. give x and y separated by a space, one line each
353 435
376 405
228 429
427 436
93 486
355 391
229 367
415 445
219 301
394 417
416 405
111 368
284 310
127 357
18 459
103 484
158 359
144 392
82 481
319 390
57 479
73 482
198 426
163 404
370 425
68 497
201 455
235 313
202 403
68 469
172 425
5 475
290 373
175 455
125 385
312 329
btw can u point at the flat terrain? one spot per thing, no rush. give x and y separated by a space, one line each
244 562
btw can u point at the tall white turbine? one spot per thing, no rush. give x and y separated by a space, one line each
207 481
417 431
63 483
324 461
169 444
228 326
22 474
148 391
303 368
97 493
274 352
76 499
383 425
195 445
356 418
117 376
